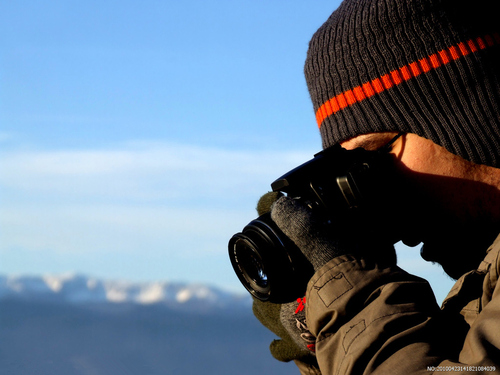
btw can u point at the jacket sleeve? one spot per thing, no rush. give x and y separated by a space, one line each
370 319
307 369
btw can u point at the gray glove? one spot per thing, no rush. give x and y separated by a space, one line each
286 320
319 241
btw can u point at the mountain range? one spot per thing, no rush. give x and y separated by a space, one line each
80 289
74 324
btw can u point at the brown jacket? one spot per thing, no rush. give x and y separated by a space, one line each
370 319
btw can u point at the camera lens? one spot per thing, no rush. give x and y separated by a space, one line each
267 263
254 269
251 266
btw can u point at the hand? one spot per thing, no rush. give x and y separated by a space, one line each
319 240
288 320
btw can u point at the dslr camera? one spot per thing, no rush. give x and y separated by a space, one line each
341 186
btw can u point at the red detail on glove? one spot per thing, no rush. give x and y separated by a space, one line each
301 302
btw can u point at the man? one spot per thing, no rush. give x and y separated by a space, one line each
428 71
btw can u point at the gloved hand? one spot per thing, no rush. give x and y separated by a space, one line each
287 320
320 241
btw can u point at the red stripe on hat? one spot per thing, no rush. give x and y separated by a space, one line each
444 55
405 73
454 52
481 43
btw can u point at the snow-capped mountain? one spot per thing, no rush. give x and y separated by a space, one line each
78 325
77 289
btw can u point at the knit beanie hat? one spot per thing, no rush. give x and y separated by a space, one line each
430 67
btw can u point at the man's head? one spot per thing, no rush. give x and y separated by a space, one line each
431 69
448 203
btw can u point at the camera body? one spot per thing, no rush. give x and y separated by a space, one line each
343 186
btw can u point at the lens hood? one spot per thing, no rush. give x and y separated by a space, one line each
267 263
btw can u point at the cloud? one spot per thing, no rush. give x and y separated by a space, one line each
146 172
142 207
140 210
148 198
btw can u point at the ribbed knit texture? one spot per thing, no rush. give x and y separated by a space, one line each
313 237
429 67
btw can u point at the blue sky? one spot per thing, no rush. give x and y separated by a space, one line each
136 137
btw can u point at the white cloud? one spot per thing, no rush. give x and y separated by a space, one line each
140 197
119 229
159 200
160 172
144 209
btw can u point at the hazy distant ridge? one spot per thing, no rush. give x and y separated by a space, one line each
76 288
78 325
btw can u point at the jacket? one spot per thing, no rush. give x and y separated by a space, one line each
374 319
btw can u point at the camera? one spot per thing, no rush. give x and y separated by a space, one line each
341 186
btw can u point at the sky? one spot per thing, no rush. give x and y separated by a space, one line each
136 137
